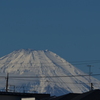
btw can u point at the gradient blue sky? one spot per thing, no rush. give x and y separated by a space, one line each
70 28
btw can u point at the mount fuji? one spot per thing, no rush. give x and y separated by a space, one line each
42 71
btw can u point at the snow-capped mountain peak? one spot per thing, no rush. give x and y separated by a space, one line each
48 71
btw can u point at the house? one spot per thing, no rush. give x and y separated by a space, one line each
90 95
20 96
63 97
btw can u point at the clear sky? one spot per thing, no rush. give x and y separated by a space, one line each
70 28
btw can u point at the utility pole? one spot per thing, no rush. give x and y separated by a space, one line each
47 85
89 73
91 84
7 82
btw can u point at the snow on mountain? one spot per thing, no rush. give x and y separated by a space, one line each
42 71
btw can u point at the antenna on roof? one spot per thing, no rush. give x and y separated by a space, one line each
92 86
7 82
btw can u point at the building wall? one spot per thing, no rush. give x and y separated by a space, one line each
28 99
19 96
5 97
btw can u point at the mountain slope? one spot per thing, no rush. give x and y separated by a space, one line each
43 71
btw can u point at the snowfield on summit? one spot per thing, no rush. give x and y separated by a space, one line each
42 71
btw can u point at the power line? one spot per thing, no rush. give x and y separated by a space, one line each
49 76
73 62
55 81
85 61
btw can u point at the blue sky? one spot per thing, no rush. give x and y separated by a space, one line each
70 28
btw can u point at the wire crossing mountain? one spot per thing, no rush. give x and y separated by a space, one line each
43 71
